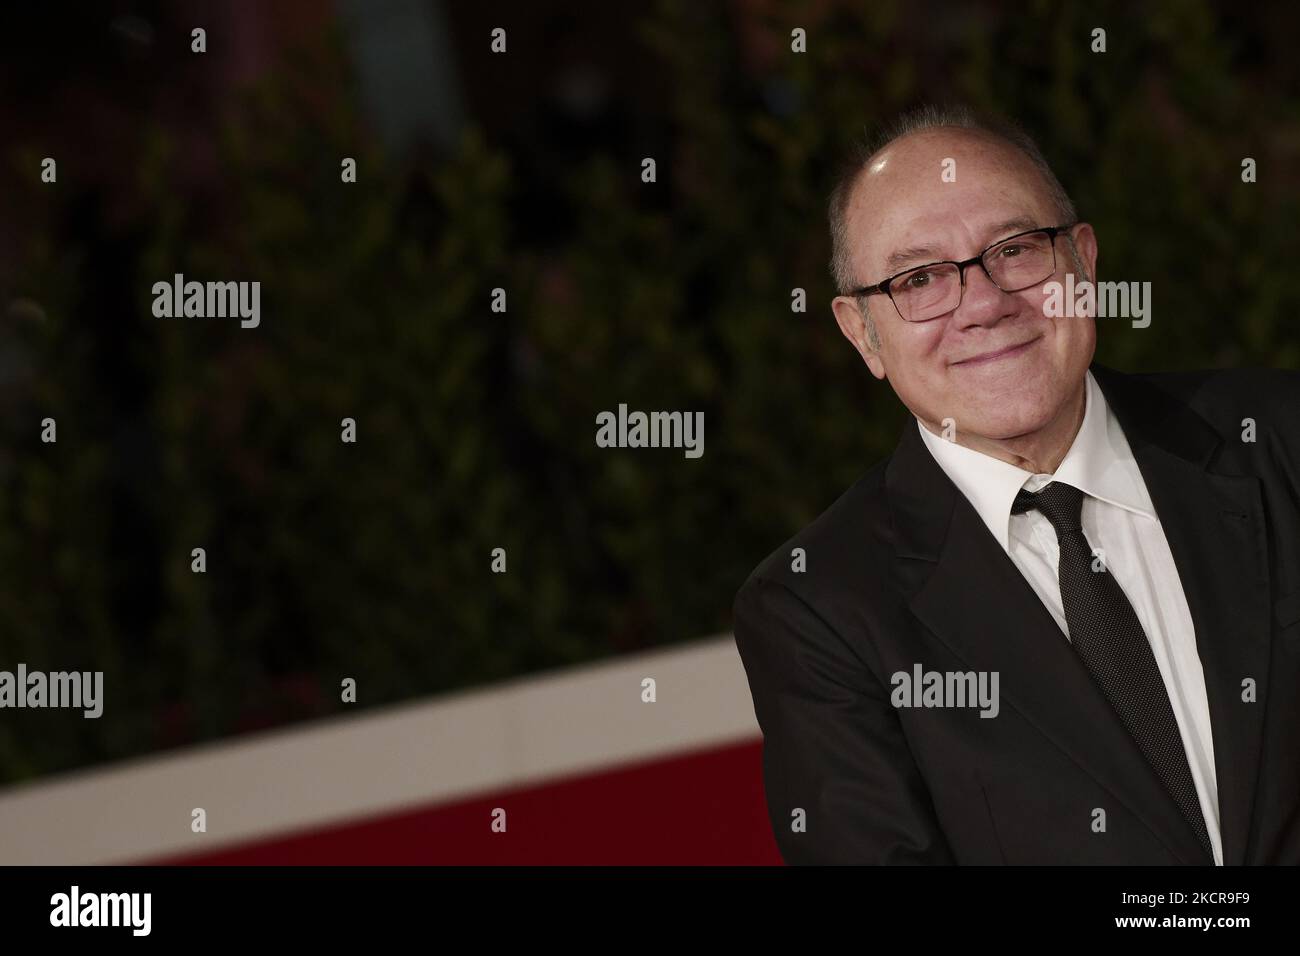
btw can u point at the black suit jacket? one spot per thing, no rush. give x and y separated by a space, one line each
901 570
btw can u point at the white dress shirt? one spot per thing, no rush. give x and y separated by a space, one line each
1121 525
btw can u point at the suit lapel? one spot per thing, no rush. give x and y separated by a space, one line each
1215 528
969 593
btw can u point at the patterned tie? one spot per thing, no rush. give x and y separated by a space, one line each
1108 637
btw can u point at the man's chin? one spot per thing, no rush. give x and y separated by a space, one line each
1003 425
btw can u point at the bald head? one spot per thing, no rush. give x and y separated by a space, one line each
907 191
868 152
995 362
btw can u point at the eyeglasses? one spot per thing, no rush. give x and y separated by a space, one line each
1014 264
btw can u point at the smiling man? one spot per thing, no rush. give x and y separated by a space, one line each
1118 554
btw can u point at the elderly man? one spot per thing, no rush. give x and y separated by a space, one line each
1061 622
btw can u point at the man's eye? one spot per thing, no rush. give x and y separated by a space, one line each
1011 251
917 280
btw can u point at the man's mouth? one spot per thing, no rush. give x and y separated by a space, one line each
1009 351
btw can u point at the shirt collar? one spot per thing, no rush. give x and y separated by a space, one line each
1099 463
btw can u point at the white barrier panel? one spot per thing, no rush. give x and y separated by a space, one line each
513 734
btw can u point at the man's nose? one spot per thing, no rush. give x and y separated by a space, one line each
981 300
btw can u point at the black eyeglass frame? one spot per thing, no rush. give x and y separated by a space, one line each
882 288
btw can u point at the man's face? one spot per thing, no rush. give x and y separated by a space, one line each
942 368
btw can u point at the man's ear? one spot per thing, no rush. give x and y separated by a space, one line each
1085 241
854 326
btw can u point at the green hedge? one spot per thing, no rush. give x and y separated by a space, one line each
476 429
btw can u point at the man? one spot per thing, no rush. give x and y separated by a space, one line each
1061 623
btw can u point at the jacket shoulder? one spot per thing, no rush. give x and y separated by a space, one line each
1224 396
835 548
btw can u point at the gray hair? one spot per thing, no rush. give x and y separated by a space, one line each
924 118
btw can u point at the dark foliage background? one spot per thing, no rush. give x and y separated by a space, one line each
476 429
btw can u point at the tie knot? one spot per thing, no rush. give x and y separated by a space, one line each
1060 503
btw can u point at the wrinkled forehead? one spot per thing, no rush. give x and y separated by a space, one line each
945 190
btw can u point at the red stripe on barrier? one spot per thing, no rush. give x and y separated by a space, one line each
704 808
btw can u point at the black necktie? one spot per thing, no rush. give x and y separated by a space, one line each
1108 637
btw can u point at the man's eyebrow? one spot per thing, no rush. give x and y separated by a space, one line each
910 254
925 254
1010 227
